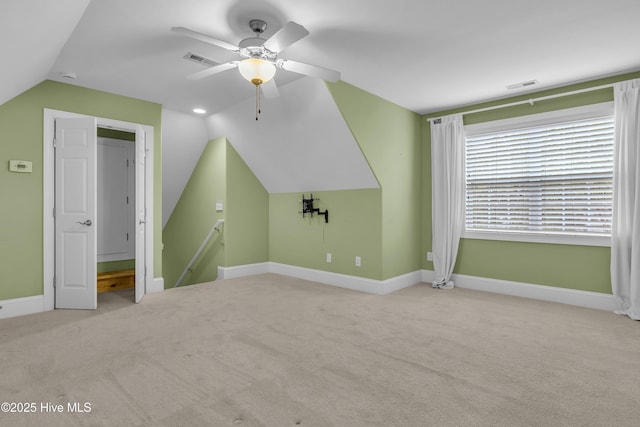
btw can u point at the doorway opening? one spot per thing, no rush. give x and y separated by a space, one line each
56 260
115 225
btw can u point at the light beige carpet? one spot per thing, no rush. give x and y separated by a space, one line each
270 350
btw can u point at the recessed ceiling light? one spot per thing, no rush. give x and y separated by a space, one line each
199 110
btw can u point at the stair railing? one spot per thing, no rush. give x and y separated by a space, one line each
215 227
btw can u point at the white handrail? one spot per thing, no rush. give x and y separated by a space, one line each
200 249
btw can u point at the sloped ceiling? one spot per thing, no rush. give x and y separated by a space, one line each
300 142
184 137
32 35
424 55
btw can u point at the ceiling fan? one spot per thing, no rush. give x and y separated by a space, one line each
259 57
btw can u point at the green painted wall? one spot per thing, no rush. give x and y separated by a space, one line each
247 214
382 226
107 267
21 133
220 175
192 218
565 266
353 230
427 235
390 139
116 134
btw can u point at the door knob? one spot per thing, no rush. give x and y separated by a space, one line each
87 222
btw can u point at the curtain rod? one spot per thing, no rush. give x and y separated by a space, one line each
529 101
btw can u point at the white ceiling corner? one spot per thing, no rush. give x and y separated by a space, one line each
300 142
32 35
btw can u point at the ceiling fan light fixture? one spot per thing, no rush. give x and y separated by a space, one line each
256 70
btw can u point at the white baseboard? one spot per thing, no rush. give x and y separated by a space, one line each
242 270
428 276
378 287
401 282
157 285
355 283
21 306
577 297
35 304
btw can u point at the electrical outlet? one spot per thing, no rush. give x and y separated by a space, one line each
328 256
429 256
358 261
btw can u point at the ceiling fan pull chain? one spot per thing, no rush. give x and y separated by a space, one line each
257 102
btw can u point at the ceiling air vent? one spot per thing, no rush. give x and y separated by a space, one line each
522 84
199 59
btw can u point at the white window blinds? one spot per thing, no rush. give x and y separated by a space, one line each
547 179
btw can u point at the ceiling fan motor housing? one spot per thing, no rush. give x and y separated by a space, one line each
258 26
256 51
252 47
259 55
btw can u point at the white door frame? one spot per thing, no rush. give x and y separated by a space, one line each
49 196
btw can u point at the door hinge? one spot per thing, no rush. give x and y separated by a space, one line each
54 212
127 199
54 282
127 237
54 142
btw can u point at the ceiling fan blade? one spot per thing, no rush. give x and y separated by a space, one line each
212 70
309 70
285 37
205 38
270 89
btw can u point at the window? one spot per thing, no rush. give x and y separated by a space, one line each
545 177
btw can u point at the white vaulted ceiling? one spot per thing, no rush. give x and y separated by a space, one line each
424 55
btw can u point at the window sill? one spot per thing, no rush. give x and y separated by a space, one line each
573 239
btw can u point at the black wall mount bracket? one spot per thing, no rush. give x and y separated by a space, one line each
307 208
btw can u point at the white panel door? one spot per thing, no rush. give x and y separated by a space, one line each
75 214
141 214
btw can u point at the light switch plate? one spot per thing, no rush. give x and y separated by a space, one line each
219 206
20 166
